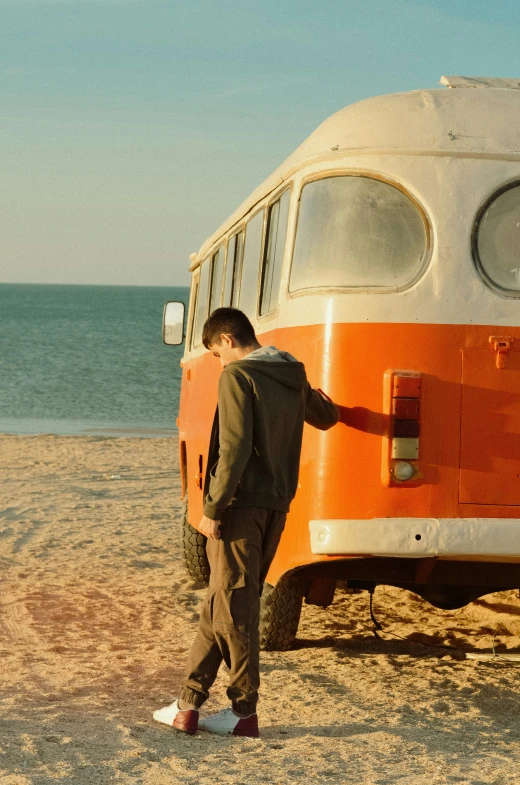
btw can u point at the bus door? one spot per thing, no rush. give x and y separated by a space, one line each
490 423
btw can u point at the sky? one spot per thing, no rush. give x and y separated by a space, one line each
130 129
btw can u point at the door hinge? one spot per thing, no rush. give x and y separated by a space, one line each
501 345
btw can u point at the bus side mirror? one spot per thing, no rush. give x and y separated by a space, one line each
173 323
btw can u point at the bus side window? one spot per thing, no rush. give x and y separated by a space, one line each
228 277
201 306
191 312
273 253
250 265
237 268
217 263
357 232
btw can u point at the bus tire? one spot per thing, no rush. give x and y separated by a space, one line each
280 609
194 549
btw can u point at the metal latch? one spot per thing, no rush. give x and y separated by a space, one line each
199 476
501 346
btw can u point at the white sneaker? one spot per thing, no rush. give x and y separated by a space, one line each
171 715
226 723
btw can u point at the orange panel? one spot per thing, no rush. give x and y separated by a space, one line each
490 429
340 469
196 411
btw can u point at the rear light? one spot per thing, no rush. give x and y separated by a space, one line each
402 432
403 471
405 408
406 429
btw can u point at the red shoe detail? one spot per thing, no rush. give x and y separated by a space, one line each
187 721
248 726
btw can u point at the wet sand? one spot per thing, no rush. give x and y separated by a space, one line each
97 614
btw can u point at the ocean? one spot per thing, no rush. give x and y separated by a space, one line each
87 360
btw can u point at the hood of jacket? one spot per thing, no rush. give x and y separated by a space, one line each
270 354
278 365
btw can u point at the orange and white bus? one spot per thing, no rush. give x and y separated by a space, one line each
385 254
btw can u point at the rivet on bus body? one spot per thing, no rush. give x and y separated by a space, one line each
403 471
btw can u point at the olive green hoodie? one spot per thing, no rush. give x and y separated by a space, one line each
254 454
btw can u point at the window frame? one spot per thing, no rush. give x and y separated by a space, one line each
195 281
225 270
194 291
423 266
287 188
244 224
238 229
214 252
510 294
208 258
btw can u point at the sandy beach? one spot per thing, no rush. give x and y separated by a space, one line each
97 614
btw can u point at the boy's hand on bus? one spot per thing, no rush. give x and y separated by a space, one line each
344 414
210 528
363 419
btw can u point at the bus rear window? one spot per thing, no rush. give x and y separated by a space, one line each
497 239
357 232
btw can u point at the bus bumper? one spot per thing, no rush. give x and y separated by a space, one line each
417 537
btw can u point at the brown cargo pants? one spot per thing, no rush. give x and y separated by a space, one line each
230 616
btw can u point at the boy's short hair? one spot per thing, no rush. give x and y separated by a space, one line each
228 321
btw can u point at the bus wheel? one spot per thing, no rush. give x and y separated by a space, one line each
280 608
194 549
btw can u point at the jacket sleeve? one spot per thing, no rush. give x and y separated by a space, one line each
235 406
320 411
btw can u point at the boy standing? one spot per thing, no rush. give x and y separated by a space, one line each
264 399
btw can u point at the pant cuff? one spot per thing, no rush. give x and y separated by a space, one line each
244 708
194 699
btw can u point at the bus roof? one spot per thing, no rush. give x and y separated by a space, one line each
482 121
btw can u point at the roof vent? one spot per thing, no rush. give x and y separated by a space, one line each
480 81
